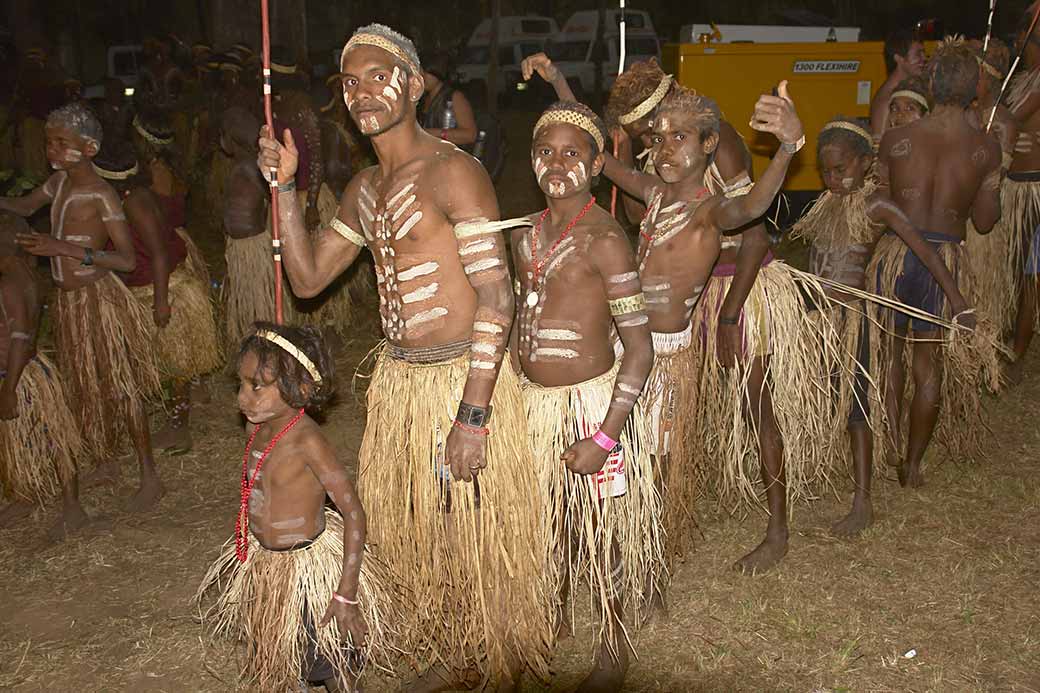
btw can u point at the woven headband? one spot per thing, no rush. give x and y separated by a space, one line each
116 175
154 139
570 118
851 127
379 42
912 95
649 104
293 350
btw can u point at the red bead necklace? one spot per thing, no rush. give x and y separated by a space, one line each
532 242
242 521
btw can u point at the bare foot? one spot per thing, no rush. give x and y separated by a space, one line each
861 517
910 475
105 474
147 497
70 521
18 510
172 437
765 556
439 679
608 675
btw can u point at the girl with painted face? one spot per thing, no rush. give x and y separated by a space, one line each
843 227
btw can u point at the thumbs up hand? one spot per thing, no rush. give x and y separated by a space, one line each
776 114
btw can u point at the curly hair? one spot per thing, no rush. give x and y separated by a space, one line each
581 110
296 386
704 110
631 88
954 73
834 134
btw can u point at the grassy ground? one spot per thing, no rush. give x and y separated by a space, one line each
949 571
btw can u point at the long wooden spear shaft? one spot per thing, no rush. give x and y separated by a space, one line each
620 69
1018 58
276 241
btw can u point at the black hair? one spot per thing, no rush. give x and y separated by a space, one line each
584 110
954 73
839 136
296 386
441 65
120 155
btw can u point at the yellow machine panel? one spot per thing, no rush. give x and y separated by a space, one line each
825 80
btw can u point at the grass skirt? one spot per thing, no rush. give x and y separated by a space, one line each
774 323
670 398
971 360
248 290
269 600
468 554
39 449
103 339
584 532
195 262
188 346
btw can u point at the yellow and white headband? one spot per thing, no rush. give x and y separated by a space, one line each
851 127
649 104
154 139
115 175
293 350
365 39
570 118
912 95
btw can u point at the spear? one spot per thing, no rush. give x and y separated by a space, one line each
276 242
620 69
1018 58
989 26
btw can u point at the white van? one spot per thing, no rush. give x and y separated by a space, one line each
518 37
571 49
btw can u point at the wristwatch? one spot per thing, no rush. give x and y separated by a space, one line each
88 257
470 415
793 147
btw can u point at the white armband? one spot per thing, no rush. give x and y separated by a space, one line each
347 232
481 227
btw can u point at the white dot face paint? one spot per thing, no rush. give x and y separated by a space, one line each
369 124
556 188
848 182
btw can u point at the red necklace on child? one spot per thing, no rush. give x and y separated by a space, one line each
532 242
242 521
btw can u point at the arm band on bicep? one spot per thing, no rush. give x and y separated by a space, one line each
24 336
481 227
347 232
628 304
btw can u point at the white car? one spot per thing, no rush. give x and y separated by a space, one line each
518 37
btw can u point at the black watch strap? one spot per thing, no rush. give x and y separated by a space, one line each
471 415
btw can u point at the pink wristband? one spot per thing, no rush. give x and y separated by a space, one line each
604 441
343 600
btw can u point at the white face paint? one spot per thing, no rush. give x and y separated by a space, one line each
73 156
582 173
539 169
573 178
557 189
369 124
847 183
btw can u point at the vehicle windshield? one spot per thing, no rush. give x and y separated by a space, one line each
644 46
563 51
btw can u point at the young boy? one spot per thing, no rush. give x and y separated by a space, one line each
248 290
578 290
909 103
102 333
942 171
184 329
455 511
39 438
904 58
294 581
843 226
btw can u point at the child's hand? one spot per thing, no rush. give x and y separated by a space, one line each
349 619
161 314
584 457
44 245
776 114
540 63
466 453
730 341
274 155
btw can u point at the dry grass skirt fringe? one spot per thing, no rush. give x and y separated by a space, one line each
248 290
797 374
188 346
467 553
39 449
971 360
613 545
269 601
103 339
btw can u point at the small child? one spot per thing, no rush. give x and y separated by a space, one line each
290 581
184 329
39 438
909 102
844 226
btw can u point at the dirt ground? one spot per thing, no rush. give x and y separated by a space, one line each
948 572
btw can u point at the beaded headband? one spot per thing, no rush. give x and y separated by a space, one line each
150 137
570 118
851 127
293 350
365 39
649 104
912 95
115 175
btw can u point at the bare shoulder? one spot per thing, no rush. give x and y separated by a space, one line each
312 441
451 162
603 231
